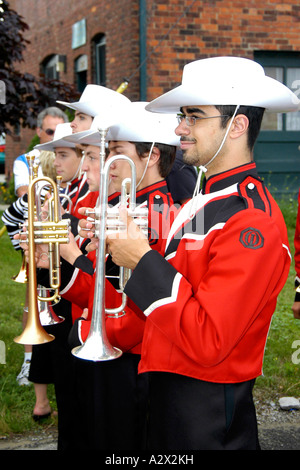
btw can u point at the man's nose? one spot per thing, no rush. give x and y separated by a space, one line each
84 166
182 128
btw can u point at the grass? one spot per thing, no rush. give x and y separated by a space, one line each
281 370
16 402
281 374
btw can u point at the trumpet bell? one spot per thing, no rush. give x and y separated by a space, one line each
33 333
22 276
47 315
95 350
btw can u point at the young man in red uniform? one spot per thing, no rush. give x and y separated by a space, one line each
111 396
209 300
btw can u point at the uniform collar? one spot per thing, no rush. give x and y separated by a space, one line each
227 178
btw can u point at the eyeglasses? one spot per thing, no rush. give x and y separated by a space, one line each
48 131
191 120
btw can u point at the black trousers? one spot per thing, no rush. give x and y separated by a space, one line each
111 403
189 414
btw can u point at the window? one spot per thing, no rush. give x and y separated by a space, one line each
81 67
284 67
99 44
79 33
276 151
49 68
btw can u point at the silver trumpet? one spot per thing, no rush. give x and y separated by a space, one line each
47 316
97 346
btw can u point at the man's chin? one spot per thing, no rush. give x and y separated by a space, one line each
189 159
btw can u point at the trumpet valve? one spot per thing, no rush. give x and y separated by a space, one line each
89 212
114 224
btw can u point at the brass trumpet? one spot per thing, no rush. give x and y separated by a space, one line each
52 231
47 316
22 277
97 346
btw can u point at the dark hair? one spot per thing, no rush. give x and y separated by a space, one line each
79 151
167 155
254 115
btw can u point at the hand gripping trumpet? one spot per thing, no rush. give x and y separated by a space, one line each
52 232
97 347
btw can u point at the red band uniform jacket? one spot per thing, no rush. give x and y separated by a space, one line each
210 299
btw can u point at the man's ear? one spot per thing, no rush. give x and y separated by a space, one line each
239 126
154 157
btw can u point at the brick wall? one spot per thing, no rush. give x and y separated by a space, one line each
216 27
178 31
50 33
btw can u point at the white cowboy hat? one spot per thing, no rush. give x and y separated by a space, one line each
135 124
96 99
226 81
61 131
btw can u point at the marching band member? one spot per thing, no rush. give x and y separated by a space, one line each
112 396
209 300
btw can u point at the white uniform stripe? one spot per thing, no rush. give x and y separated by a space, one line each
166 300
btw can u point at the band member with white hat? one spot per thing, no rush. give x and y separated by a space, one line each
67 162
93 99
112 399
208 302
182 177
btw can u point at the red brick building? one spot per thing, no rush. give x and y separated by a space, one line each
149 41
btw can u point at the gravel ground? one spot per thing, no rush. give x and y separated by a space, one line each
278 430
45 438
